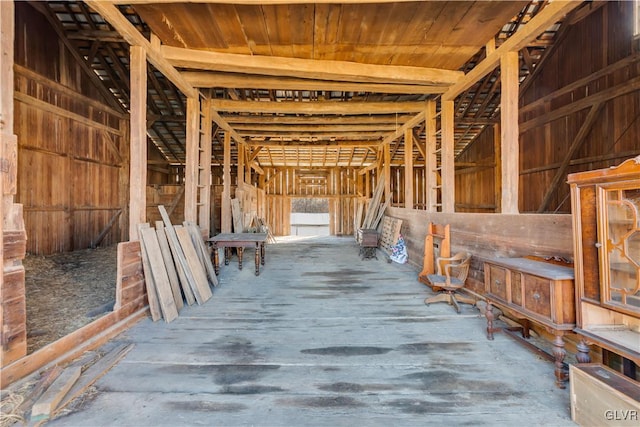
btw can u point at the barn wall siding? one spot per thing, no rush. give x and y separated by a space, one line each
70 167
73 149
488 235
602 39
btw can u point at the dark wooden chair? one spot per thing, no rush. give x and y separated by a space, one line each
450 278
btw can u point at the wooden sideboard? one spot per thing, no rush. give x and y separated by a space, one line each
534 291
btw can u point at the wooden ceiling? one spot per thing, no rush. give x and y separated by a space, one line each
306 84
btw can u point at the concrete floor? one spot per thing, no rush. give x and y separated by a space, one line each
322 338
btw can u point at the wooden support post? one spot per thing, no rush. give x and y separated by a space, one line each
204 181
447 160
240 171
386 171
138 164
497 176
225 223
408 168
510 160
192 160
430 161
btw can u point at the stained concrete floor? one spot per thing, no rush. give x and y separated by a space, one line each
322 338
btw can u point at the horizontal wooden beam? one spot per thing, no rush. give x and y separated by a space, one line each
378 119
122 25
548 16
316 107
340 144
303 128
257 2
586 102
208 79
308 68
319 134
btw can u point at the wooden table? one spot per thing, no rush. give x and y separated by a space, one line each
239 241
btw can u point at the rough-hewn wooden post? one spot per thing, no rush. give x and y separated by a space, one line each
138 163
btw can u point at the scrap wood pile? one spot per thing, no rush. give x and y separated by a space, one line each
57 388
249 222
177 266
375 209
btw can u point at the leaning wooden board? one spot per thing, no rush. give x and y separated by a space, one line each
160 275
152 293
169 264
202 291
179 255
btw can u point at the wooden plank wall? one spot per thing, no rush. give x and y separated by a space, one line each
71 165
14 310
343 187
73 148
488 235
475 181
130 286
595 61
171 196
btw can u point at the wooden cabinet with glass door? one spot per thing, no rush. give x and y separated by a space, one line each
606 221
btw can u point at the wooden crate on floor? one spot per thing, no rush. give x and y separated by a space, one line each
390 233
601 396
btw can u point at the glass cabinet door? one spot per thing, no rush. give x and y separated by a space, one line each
619 246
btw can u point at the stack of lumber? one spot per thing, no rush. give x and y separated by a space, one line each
177 266
375 209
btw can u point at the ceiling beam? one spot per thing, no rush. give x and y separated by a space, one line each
548 16
308 68
318 134
208 79
122 25
257 2
377 119
313 107
301 128
349 144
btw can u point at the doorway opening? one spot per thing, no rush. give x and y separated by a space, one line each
310 217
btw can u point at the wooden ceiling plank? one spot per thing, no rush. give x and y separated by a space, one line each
307 68
235 80
543 20
120 23
328 107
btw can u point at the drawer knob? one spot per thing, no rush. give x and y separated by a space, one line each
536 296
